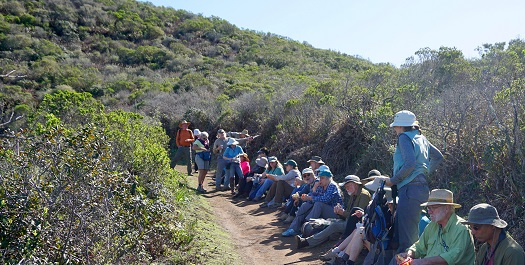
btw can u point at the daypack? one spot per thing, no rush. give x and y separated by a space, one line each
377 223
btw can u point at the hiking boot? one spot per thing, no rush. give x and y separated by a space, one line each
200 189
289 219
282 217
301 242
263 205
328 256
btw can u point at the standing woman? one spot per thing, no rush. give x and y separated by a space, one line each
202 157
415 157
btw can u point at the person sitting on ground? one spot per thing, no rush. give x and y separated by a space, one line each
319 203
445 240
315 162
282 186
219 146
196 134
232 155
352 246
355 196
246 183
184 139
265 183
498 248
309 180
203 157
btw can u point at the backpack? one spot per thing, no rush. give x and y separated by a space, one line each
312 227
377 222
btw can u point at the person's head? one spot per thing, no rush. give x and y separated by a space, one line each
325 177
232 143
484 222
221 134
244 133
315 162
196 132
290 165
244 157
308 175
440 206
184 124
352 183
404 121
273 162
263 152
203 136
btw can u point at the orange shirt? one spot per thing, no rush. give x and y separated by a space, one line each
184 137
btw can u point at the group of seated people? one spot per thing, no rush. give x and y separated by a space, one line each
311 197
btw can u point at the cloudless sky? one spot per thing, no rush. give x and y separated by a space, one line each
377 30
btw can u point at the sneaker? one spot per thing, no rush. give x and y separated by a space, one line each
288 233
282 217
289 219
328 256
301 242
263 205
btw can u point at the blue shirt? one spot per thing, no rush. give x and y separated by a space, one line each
231 153
330 196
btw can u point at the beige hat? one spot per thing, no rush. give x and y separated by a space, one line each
441 197
184 122
244 132
485 214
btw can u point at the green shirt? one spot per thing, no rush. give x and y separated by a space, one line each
199 144
361 200
509 252
455 236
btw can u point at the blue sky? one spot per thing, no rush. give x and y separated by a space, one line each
378 30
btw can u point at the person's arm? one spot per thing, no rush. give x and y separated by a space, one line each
177 139
290 175
190 139
407 152
436 157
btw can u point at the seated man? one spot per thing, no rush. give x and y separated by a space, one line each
355 196
445 240
498 248
319 203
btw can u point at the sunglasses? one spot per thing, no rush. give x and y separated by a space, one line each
475 227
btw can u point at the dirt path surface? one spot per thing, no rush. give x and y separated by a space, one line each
256 232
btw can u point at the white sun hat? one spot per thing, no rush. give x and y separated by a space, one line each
404 118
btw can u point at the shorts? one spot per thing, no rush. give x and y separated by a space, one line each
201 164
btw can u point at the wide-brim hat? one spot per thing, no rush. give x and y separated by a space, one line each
485 214
232 141
373 173
316 159
441 197
404 118
373 183
351 178
184 122
196 132
307 171
244 132
261 161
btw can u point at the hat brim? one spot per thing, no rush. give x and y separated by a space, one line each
441 203
373 186
182 123
402 124
496 222
342 184
318 162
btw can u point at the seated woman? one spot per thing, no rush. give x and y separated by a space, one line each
275 168
231 155
246 183
282 186
302 187
319 203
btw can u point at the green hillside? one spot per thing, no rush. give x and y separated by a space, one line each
168 65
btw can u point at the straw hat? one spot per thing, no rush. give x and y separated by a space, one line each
441 197
485 214
373 183
184 122
404 118
232 141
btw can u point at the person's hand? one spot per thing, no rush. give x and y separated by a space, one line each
358 213
296 202
263 174
306 197
315 186
188 140
388 183
401 257
339 210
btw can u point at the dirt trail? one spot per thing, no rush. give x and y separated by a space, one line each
256 232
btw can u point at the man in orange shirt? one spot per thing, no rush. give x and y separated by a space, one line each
184 140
